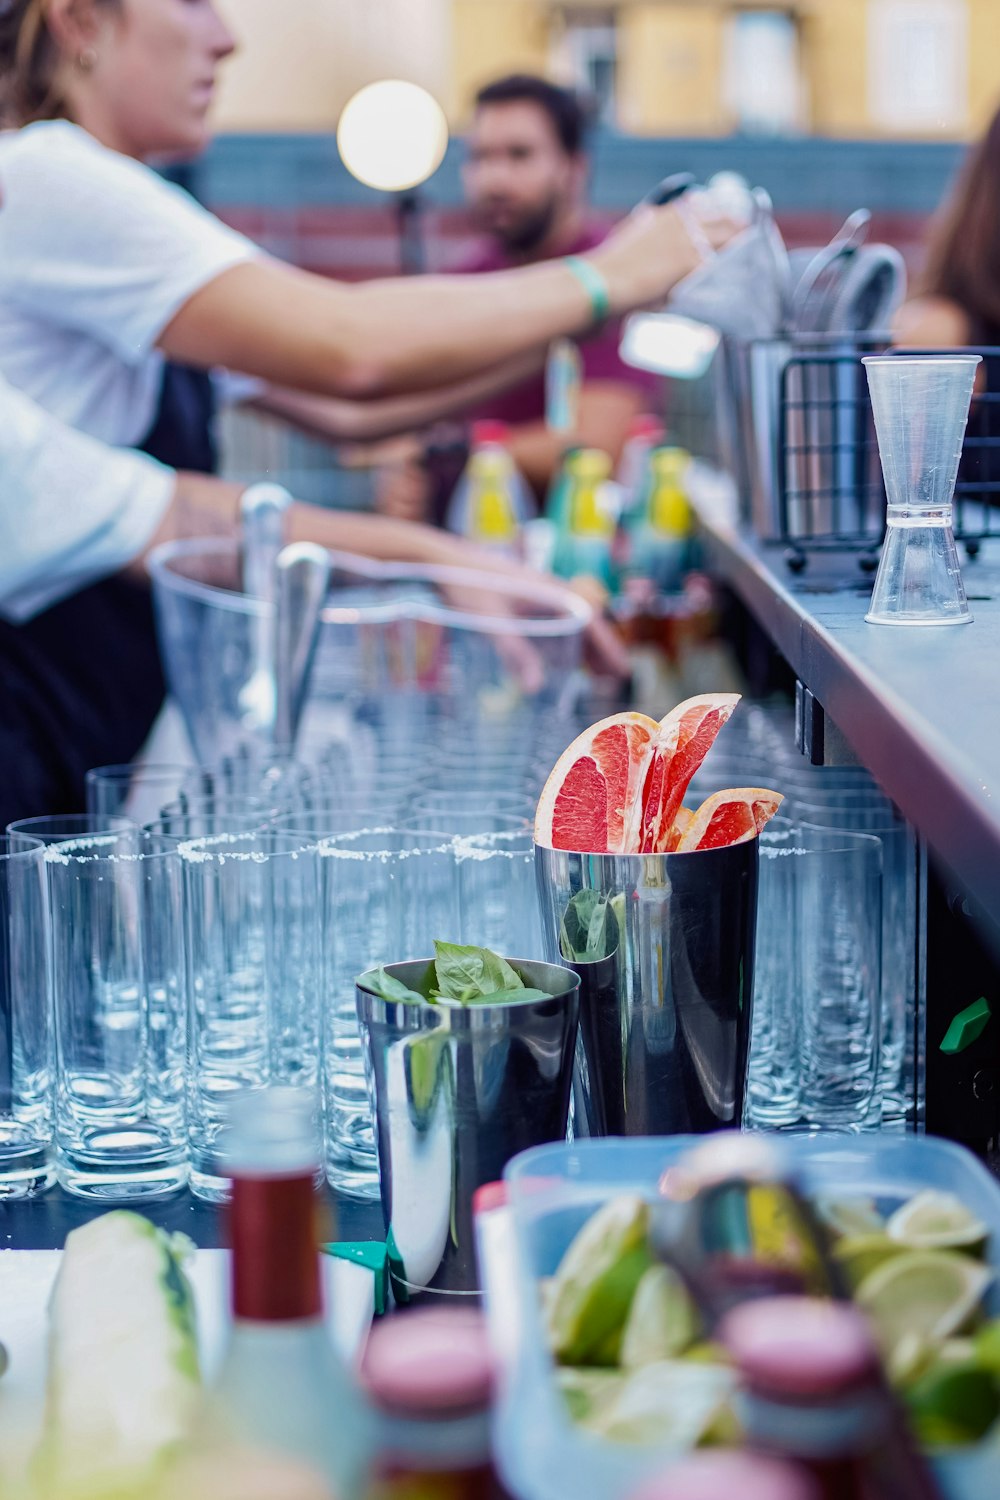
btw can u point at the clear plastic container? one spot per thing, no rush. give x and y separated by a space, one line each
413 645
552 1190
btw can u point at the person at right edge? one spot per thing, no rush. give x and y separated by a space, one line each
956 301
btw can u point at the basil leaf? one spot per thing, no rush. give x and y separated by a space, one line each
598 936
422 1060
495 997
576 923
511 997
387 987
465 973
589 930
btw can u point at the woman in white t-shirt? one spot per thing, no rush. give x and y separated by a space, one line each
106 271
75 514
118 294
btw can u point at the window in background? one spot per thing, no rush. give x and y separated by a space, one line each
918 74
584 56
762 73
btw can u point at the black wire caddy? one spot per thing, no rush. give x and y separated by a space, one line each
811 470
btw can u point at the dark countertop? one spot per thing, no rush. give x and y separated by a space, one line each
920 707
43 1223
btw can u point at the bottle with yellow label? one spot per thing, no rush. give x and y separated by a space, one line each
658 528
491 501
586 519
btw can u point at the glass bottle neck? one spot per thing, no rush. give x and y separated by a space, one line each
273 1229
841 1428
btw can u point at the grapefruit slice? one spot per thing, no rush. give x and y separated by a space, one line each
586 802
685 737
681 823
729 817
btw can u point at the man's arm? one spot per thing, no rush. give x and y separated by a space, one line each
342 421
205 506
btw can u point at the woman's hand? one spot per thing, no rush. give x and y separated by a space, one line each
391 540
604 650
653 249
402 484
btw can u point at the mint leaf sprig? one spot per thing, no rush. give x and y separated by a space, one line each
459 975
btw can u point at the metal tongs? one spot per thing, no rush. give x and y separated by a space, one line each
303 571
734 1227
291 583
262 514
817 289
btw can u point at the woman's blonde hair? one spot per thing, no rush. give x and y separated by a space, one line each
29 63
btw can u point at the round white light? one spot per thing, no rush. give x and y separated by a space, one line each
392 135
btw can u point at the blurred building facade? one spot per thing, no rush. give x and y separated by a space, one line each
828 104
863 69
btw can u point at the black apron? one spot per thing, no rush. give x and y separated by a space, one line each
81 683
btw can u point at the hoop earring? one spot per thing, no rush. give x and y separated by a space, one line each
87 60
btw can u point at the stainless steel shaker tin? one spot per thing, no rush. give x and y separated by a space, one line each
665 1016
457 1091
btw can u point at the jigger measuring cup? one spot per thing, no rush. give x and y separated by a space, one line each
921 406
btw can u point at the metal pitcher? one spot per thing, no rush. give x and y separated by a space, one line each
665 1008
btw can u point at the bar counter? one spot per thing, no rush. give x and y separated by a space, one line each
920 707
43 1223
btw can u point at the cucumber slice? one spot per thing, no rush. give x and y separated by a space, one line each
123 1376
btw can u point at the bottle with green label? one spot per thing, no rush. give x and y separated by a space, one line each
658 528
584 517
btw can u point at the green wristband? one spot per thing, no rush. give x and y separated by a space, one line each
593 284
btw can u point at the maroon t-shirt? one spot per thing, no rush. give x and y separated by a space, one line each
526 402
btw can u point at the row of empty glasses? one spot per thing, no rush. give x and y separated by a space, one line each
836 1003
471 770
199 932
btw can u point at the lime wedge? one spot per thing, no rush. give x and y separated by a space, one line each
671 1402
912 1357
953 1403
961 1351
987 1347
706 1353
925 1295
937 1221
662 1321
916 1355
593 1288
859 1255
850 1216
587 1392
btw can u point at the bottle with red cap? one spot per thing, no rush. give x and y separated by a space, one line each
283 1387
813 1391
491 502
645 433
429 1374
